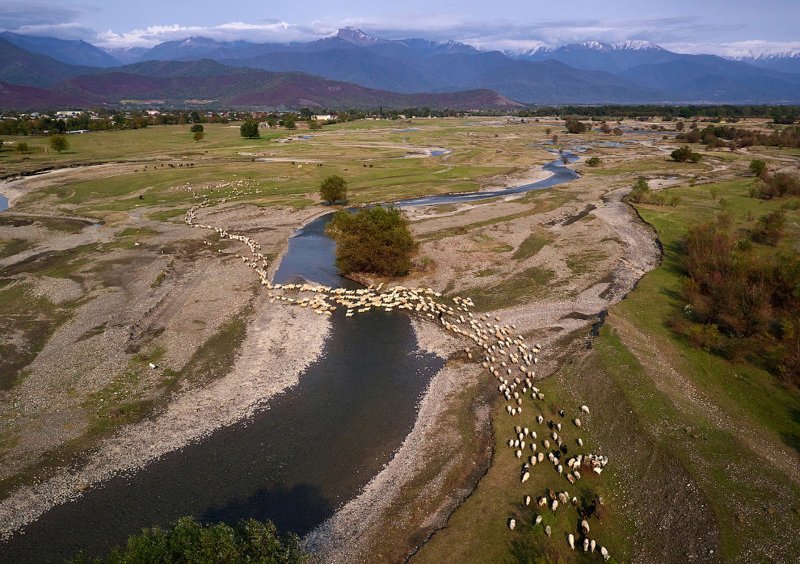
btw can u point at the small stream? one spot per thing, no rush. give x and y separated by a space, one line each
311 450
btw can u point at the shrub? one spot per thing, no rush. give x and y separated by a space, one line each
640 192
746 300
197 128
685 154
190 541
776 185
198 135
758 167
333 189
22 147
593 162
375 240
575 126
769 228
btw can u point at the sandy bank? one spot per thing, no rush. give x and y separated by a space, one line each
280 343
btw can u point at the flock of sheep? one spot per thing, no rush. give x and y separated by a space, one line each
503 354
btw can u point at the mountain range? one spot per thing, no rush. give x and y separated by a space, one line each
354 68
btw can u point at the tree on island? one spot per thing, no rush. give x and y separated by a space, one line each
333 189
375 240
249 129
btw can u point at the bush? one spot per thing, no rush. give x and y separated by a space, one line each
776 185
197 128
593 162
249 129
190 541
746 299
22 147
575 126
333 189
758 167
640 192
769 229
685 154
375 240
198 135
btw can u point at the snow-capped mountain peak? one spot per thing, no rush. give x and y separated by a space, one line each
635 45
356 36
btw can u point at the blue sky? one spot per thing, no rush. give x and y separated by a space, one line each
732 27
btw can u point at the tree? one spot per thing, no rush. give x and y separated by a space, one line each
197 128
190 541
249 129
593 162
685 154
198 135
575 126
314 125
59 143
333 189
758 167
22 147
605 128
289 122
375 240
679 126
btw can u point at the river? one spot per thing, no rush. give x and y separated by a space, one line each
311 450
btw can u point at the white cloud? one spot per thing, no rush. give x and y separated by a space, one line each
264 32
750 48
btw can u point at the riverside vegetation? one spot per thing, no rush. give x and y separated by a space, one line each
691 404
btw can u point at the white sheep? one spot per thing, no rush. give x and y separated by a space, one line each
525 477
527 500
512 523
585 527
571 541
605 553
554 505
537 520
585 409
577 422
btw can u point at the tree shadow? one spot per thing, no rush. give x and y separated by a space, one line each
297 509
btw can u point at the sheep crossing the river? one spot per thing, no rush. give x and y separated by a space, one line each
494 346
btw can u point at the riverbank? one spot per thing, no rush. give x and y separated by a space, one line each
280 344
